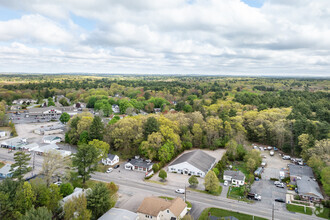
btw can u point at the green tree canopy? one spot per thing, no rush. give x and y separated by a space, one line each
193 181
162 174
65 117
41 213
211 182
98 200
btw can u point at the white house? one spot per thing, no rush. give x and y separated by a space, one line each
141 165
5 171
2 134
161 209
47 111
115 109
235 177
110 160
195 162
51 139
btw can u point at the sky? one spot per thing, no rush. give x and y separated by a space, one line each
224 37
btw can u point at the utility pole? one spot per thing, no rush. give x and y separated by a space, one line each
34 157
185 193
273 211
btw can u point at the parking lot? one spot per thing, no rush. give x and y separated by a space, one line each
122 173
23 118
265 187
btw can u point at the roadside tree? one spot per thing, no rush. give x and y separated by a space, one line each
211 182
20 167
193 181
162 174
65 117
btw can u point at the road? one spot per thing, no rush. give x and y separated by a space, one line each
196 198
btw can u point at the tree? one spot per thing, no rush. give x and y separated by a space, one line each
25 197
114 120
251 164
216 171
8 203
96 129
64 102
20 167
65 117
162 174
151 126
76 208
98 200
102 146
325 179
41 213
155 167
193 181
83 138
165 152
211 182
55 197
53 162
198 135
66 189
85 160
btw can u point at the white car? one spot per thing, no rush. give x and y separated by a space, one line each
180 191
225 183
109 170
58 183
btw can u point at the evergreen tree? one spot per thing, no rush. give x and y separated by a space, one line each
20 167
98 200
41 213
96 129
151 126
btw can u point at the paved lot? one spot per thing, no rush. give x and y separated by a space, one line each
122 173
180 180
265 187
22 119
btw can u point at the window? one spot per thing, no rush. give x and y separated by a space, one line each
168 211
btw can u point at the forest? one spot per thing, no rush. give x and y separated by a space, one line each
195 112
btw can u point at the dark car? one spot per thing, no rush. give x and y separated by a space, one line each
116 166
280 200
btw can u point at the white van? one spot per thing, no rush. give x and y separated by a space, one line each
286 157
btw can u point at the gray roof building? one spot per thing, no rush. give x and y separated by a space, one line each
197 158
300 171
237 175
308 187
140 163
119 214
111 156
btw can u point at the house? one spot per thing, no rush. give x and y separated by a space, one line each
14 143
15 107
76 193
162 209
2 134
157 110
115 109
46 148
24 101
110 160
297 172
308 189
195 162
5 171
119 214
141 165
51 139
235 177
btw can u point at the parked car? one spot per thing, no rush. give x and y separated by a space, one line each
254 196
255 147
58 183
269 148
117 166
280 185
261 148
271 153
109 170
225 183
286 157
265 148
256 178
275 149
180 191
279 200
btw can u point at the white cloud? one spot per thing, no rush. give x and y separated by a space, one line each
201 36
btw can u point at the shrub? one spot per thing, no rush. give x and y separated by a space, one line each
193 181
162 174
274 179
155 167
66 189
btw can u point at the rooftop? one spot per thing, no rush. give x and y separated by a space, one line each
237 175
77 192
111 156
197 158
297 170
153 205
118 214
308 187
140 163
5 169
51 137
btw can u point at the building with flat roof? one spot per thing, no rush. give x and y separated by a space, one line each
5 171
119 214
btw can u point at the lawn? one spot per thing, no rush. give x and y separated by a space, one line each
217 193
236 193
300 209
241 166
1 164
223 213
322 212
155 181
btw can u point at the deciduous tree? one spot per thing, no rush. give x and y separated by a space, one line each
193 181
211 182
162 174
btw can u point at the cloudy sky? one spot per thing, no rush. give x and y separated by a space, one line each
259 37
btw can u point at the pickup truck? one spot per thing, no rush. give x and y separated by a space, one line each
254 196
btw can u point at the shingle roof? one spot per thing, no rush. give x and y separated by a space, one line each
237 175
297 170
308 187
197 158
118 214
140 163
5 169
111 156
153 205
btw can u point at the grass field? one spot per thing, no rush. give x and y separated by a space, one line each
323 212
1 164
223 213
217 193
300 209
